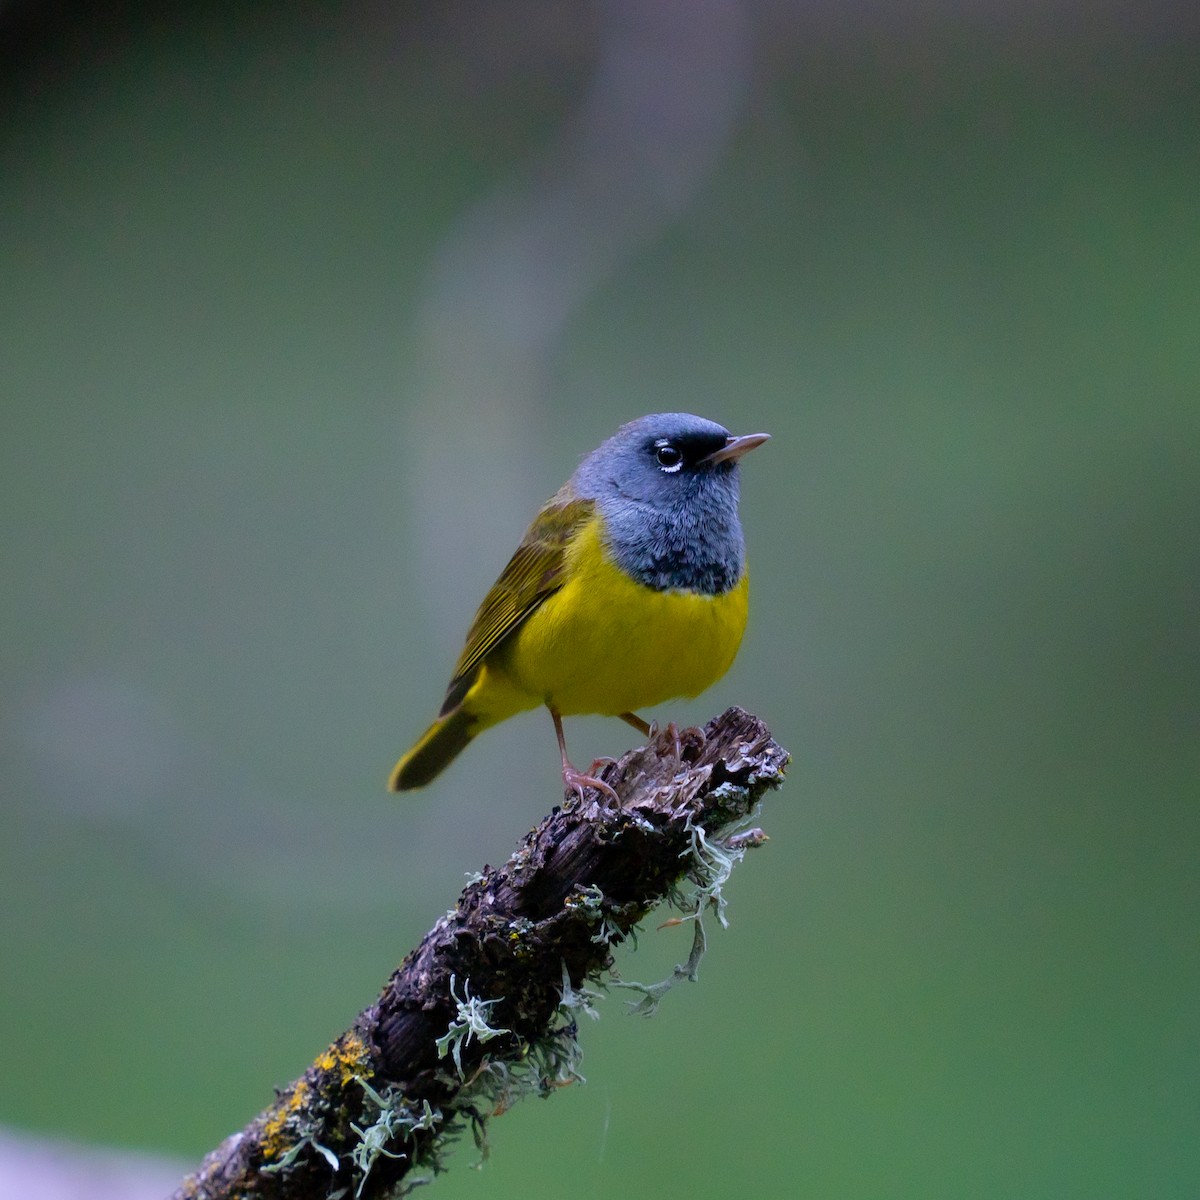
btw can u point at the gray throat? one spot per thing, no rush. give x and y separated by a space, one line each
697 547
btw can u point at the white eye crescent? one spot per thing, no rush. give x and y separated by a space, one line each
669 457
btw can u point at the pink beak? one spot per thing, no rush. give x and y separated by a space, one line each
735 447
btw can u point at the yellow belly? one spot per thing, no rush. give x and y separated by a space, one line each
605 644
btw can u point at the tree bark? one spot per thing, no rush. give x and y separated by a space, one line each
482 1011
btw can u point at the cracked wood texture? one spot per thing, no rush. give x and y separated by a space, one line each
577 884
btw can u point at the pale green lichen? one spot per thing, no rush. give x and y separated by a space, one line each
712 863
294 1152
395 1120
540 1067
652 993
471 1021
591 903
588 901
578 999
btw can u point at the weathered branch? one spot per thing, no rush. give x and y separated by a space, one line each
481 1012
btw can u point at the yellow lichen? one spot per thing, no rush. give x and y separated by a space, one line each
274 1140
348 1056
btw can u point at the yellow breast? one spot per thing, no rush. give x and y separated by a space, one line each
606 644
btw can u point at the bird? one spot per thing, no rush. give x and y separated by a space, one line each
628 589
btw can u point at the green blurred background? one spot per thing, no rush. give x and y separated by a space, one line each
305 308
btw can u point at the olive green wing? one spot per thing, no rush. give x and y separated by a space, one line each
534 572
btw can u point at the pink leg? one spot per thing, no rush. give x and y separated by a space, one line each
577 780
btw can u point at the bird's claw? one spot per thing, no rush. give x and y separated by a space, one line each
672 733
576 781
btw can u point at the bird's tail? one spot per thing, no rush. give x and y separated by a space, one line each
438 746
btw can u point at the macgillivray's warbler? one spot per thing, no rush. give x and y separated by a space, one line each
628 589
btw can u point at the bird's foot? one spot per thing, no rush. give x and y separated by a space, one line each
576 781
686 744
672 734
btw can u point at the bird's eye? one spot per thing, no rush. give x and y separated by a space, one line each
669 457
